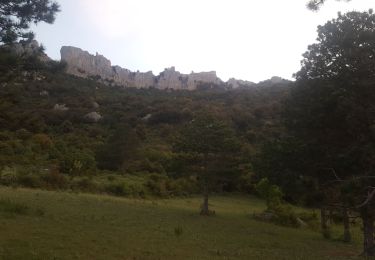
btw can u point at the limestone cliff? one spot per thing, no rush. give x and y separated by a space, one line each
27 48
83 64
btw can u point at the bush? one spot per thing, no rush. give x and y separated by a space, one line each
308 216
117 189
55 180
43 140
85 184
157 184
271 193
125 189
285 216
8 176
30 181
182 187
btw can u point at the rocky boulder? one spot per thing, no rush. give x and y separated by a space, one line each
93 117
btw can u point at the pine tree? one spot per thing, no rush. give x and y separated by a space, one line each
17 15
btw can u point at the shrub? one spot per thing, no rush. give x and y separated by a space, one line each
55 180
271 193
43 140
117 188
86 184
157 184
121 188
8 176
30 181
285 216
308 216
23 134
182 187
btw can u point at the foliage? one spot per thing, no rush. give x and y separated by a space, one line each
210 146
283 163
331 110
314 5
17 15
332 105
208 143
8 176
271 193
119 148
35 137
344 49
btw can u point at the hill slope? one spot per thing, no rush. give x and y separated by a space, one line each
52 123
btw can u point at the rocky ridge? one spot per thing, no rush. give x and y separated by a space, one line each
83 64
28 48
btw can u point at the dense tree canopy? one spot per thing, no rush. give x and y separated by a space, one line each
332 111
345 48
17 15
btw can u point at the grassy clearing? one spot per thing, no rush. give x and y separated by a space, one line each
81 226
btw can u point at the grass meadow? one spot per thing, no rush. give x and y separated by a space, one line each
37 224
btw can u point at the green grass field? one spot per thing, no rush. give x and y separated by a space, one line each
57 225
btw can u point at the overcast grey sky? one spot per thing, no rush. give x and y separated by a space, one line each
246 39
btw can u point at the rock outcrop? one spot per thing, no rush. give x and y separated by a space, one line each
236 83
83 64
61 107
93 117
28 48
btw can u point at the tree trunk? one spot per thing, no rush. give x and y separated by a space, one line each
368 232
324 223
204 209
347 235
330 216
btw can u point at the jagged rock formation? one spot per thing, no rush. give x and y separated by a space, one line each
27 48
237 83
83 64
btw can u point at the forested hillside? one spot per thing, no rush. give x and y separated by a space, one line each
66 132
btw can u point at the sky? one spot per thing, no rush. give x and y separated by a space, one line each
243 39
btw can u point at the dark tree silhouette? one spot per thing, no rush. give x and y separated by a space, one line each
332 110
210 146
17 15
